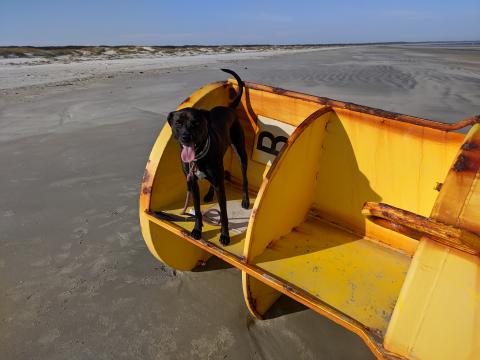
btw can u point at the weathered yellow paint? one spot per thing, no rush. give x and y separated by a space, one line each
391 162
306 235
259 296
269 224
355 275
298 164
438 312
459 200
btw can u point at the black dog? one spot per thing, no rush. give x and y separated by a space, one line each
204 137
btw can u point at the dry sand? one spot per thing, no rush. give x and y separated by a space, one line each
76 280
21 72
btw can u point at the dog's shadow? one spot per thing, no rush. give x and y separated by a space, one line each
238 218
236 226
214 263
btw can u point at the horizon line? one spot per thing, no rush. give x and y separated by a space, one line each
246 45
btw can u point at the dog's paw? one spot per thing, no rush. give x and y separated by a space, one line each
245 203
196 234
224 239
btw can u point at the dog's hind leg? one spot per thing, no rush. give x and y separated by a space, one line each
209 195
238 144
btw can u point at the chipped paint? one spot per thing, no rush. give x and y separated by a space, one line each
366 109
146 176
399 219
460 163
469 145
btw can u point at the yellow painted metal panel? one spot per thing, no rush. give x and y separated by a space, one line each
437 315
458 201
277 106
359 277
256 103
438 312
166 246
471 212
367 158
259 297
286 193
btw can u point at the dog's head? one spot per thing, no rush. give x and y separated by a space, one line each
190 128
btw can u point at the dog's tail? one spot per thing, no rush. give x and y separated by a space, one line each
241 85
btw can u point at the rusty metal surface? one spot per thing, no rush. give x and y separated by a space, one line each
469 158
399 219
368 110
457 202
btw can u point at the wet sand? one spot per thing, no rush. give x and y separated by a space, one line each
76 279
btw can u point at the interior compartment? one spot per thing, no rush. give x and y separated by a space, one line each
278 115
356 275
308 227
237 218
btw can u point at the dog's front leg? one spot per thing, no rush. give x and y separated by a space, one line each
197 229
222 201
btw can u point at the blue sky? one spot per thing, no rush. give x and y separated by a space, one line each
167 22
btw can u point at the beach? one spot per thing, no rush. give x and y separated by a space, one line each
77 280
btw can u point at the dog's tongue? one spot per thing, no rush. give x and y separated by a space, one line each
188 154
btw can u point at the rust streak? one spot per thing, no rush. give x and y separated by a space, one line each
446 234
470 145
185 101
367 110
396 227
146 176
279 91
461 164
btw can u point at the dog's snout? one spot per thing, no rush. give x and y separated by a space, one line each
185 138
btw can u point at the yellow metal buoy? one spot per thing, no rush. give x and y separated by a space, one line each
402 272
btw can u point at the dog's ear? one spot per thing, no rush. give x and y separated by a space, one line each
170 118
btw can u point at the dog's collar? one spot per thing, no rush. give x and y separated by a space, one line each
192 165
204 151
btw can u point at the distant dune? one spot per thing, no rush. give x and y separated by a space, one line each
128 51
135 50
25 66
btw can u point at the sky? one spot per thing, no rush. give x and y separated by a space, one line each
170 22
